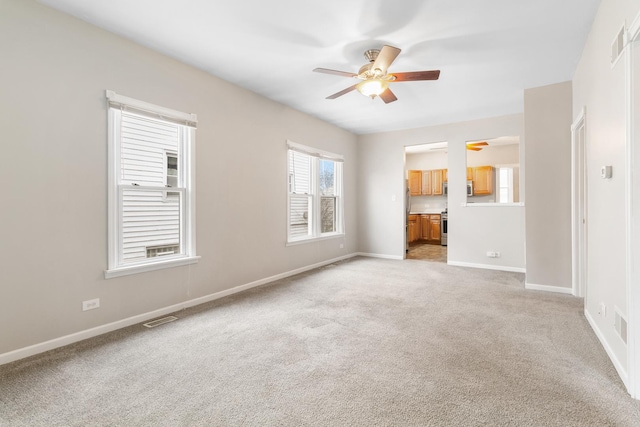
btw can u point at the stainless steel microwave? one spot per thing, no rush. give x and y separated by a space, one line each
445 188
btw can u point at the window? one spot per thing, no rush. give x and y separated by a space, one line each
171 174
150 152
505 185
315 207
508 183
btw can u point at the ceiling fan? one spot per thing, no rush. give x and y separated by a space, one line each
476 146
374 76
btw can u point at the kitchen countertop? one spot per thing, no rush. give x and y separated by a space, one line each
427 211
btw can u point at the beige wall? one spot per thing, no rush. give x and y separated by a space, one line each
548 184
53 232
473 230
491 156
601 90
427 161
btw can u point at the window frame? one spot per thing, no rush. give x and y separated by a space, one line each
504 184
186 186
315 218
170 154
167 154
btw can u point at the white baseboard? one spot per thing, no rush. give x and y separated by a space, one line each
31 350
488 266
616 363
546 288
396 257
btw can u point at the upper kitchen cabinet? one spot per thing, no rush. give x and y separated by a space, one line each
415 182
493 170
436 182
426 173
432 182
426 183
483 180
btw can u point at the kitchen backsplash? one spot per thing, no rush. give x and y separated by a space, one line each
423 203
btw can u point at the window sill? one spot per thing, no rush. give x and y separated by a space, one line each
143 268
314 239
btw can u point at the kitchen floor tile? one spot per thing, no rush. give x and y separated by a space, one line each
427 252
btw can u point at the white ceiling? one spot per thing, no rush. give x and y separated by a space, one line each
488 51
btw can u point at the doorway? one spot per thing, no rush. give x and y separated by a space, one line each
426 221
579 204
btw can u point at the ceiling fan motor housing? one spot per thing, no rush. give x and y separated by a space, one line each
372 54
365 71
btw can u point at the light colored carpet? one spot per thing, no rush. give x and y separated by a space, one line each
363 342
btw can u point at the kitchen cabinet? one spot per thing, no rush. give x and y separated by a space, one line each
436 182
426 183
469 174
434 228
482 180
430 228
424 227
445 175
413 228
416 229
415 183
432 182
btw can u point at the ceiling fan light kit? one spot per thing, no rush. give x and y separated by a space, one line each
372 88
374 76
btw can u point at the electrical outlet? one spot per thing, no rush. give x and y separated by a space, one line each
90 304
341 245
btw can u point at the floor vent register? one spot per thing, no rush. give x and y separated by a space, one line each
159 322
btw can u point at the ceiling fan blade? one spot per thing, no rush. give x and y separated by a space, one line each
413 76
342 92
387 96
478 144
334 72
387 55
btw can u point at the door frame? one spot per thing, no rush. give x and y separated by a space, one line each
579 205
